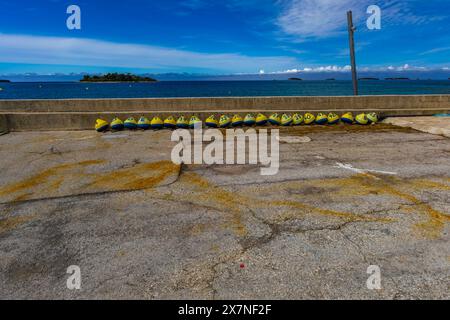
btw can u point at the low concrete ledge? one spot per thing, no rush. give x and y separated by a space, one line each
53 121
80 114
3 124
229 103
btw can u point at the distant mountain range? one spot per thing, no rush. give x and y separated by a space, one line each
413 75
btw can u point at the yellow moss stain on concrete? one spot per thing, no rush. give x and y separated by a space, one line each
359 185
11 223
77 180
435 221
219 198
41 179
347 216
140 176
235 203
428 184
362 185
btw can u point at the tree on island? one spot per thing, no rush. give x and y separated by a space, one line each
116 77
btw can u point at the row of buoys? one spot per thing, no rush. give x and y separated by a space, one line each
225 121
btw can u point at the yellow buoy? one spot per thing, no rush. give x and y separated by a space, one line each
170 123
297 119
130 123
308 118
157 123
237 121
143 123
372 117
249 120
286 120
212 122
195 122
333 118
321 118
361 119
224 121
261 119
101 125
116 124
275 119
182 123
348 118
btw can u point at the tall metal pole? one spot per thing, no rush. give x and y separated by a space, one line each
351 31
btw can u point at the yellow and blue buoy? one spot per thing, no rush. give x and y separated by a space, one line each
143 123
170 123
195 122
361 119
372 117
333 118
249 120
308 118
130 123
348 118
211 122
101 125
321 118
261 119
182 123
275 119
157 123
297 119
116 124
286 120
224 121
237 121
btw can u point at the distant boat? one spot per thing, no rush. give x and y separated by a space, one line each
331 79
295 79
368 78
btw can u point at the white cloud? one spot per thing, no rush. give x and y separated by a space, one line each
305 19
316 69
317 18
334 68
90 52
435 50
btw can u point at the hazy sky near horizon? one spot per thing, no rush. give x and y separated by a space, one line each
221 37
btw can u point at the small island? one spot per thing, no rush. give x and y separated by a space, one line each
368 78
396 79
330 79
116 77
5 81
295 79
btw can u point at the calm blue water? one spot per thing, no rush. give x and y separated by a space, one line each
62 90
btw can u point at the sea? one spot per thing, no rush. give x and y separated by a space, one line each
71 90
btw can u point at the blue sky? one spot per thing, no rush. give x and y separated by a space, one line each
221 37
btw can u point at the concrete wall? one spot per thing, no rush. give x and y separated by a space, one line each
3 124
80 114
222 104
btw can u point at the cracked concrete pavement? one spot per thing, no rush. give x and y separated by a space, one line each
141 227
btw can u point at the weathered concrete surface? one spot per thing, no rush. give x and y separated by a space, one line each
309 232
433 125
